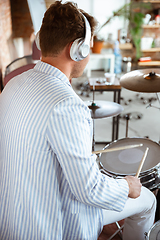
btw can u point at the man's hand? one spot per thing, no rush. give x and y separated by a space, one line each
134 186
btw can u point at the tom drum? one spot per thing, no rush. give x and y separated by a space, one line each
120 163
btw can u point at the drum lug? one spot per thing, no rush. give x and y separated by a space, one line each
107 173
158 172
145 234
158 175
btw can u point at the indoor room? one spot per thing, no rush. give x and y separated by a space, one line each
120 84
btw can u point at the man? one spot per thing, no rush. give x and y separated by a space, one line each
50 184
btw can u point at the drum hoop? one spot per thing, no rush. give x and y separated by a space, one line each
154 225
130 174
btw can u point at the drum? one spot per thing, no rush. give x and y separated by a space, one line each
154 232
120 163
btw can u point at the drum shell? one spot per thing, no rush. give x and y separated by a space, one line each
149 178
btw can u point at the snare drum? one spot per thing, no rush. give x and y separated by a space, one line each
154 232
120 163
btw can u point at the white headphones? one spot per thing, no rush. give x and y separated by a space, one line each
37 40
80 47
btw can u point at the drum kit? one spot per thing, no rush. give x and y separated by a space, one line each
118 164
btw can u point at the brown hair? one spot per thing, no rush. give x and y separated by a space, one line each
62 24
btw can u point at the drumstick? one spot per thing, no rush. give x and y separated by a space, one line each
118 148
142 162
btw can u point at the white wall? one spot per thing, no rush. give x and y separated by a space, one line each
37 9
102 10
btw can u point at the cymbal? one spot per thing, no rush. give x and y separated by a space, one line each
103 109
143 80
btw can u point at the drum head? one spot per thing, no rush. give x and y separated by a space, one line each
126 162
154 233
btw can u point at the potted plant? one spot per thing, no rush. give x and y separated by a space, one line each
97 44
134 12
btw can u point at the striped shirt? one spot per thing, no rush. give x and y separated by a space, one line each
50 185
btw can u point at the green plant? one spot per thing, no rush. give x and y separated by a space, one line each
136 18
134 12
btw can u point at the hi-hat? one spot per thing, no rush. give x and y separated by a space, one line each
102 109
143 80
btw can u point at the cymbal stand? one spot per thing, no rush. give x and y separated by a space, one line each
93 104
158 98
127 121
159 108
150 105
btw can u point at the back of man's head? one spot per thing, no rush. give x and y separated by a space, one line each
61 25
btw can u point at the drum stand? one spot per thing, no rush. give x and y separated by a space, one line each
93 105
116 232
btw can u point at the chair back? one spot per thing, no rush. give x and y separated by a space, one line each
36 53
16 72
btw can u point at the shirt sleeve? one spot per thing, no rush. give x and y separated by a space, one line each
70 135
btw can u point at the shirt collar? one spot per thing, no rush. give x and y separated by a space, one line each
50 70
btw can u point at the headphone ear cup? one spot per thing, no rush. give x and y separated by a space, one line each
84 50
79 50
74 50
37 41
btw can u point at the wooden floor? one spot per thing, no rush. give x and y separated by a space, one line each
110 229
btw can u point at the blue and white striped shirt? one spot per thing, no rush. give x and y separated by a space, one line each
50 184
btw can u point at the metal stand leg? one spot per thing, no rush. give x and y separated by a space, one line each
118 231
93 141
127 120
115 123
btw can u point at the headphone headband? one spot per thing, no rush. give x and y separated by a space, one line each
37 41
87 38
